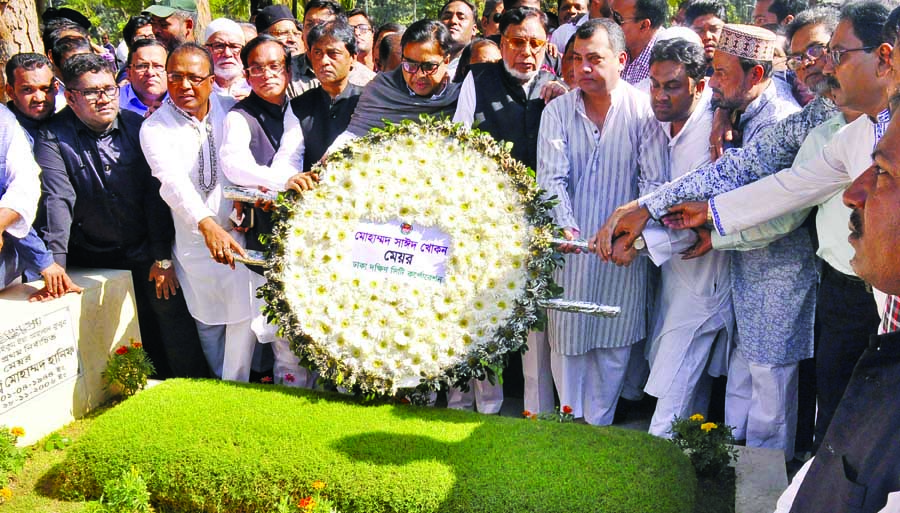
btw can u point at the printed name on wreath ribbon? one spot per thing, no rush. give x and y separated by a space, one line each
397 248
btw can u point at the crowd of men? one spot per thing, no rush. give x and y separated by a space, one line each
704 164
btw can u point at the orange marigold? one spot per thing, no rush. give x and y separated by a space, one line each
526 414
567 409
307 503
709 426
121 350
697 417
6 493
136 345
318 485
17 432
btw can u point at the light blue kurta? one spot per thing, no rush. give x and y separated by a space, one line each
592 171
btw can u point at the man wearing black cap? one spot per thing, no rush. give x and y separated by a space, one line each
173 21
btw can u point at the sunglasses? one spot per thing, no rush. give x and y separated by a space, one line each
412 68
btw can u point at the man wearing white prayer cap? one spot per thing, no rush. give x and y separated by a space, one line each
224 39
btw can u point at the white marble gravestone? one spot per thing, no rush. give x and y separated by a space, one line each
52 354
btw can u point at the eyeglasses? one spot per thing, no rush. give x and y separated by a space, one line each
836 55
808 56
221 47
93 95
362 28
274 68
144 67
178 78
521 43
620 20
427 68
284 34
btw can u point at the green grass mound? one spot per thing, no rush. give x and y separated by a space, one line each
211 446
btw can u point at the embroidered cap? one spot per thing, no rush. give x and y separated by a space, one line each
748 42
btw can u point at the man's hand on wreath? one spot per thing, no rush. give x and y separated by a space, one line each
302 182
220 243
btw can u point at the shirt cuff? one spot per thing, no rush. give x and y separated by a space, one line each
717 223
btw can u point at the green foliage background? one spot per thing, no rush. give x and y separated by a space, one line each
210 446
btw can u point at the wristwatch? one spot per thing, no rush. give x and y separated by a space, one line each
163 265
639 243
709 216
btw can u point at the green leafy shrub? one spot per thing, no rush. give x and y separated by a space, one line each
210 446
12 458
128 367
125 494
709 445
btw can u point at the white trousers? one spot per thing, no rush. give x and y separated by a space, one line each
287 370
761 403
590 383
487 397
538 375
228 349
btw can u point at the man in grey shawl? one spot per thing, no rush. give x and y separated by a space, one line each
421 85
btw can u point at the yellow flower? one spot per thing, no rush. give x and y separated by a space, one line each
318 485
708 426
697 417
17 432
5 493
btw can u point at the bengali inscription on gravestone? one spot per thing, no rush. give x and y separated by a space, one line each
398 248
36 356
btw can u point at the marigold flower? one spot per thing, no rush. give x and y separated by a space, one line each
6 493
17 432
136 345
307 503
526 414
697 417
708 426
266 379
533 416
121 350
567 409
289 378
318 485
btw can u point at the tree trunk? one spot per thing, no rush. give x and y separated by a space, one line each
19 32
203 19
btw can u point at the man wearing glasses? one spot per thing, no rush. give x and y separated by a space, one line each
146 87
182 142
365 37
641 21
505 99
225 40
102 209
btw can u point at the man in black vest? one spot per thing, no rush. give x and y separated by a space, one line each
857 466
506 99
254 132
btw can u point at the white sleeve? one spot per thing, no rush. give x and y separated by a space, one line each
173 174
23 186
465 105
340 141
786 501
239 164
664 243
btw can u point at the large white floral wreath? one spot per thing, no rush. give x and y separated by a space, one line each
418 260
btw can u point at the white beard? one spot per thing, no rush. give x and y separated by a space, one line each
518 75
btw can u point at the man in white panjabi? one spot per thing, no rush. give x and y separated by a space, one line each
181 142
694 312
597 145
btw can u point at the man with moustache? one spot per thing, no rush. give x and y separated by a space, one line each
459 17
101 208
707 18
861 81
641 21
254 130
224 40
182 142
694 320
31 87
570 10
597 146
504 99
146 87
174 21
858 470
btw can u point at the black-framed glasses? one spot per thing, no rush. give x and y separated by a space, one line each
221 47
836 55
274 68
427 68
621 20
284 34
362 28
806 57
93 95
179 78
